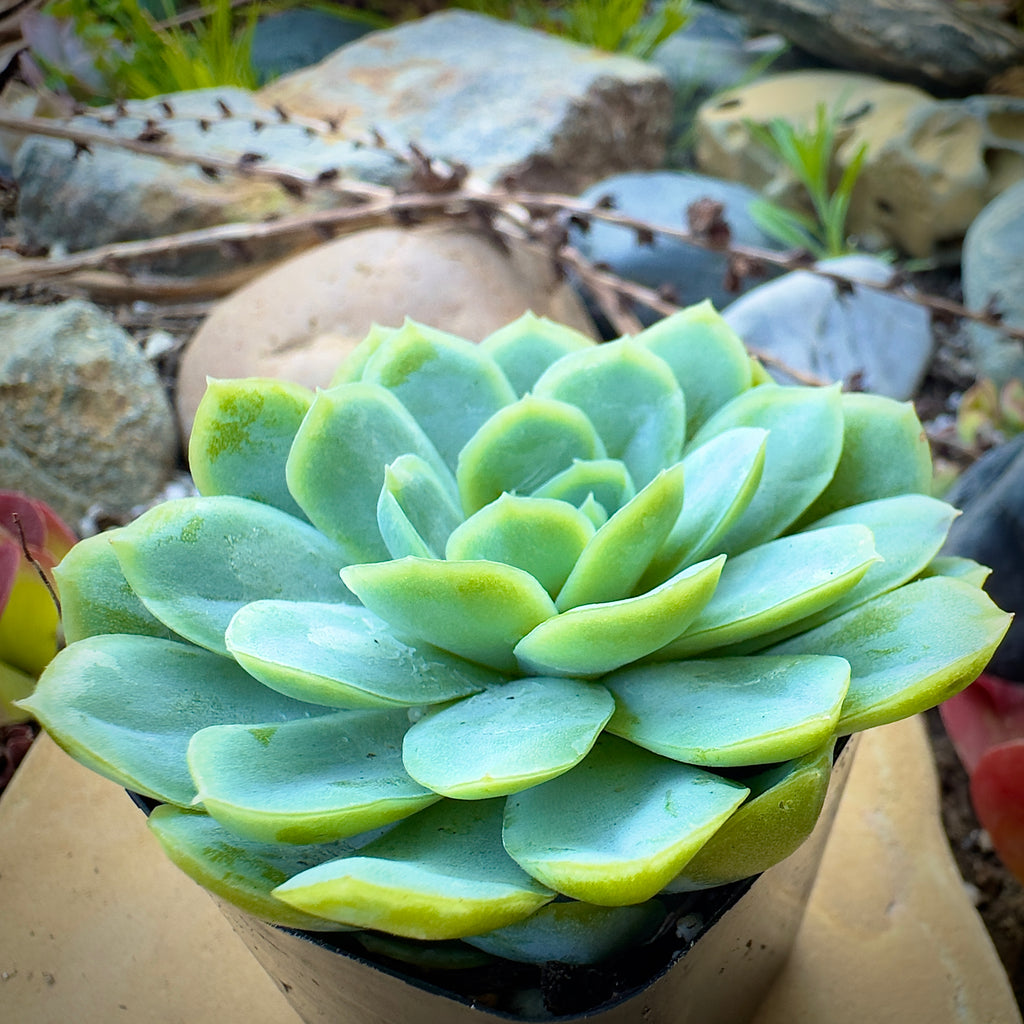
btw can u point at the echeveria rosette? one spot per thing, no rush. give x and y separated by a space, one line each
502 641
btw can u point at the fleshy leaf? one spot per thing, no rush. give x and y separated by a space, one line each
631 397
721 478
780 582
779 814
592 639
479 610
805 439
308 781
606 480
241 871
541 536
705 354
522 446
619 826
727 712
909 649
343 656
507 738
15 685
441 874
194 562
127 706
241 436
415 511
525 348
449 385
998 800
612 563
956 567
351 369
336 466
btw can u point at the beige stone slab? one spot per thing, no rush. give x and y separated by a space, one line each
97 927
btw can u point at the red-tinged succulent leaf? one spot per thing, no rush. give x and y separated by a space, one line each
997 792
989 712
10 559
45 534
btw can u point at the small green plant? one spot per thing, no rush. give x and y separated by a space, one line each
808 153
512 642
990 414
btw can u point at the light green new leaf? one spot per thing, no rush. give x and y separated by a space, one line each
241 436
909 649
479 610
615 558
352 366
309 781
441 874
241 871
343 656
127 706
779 814
507 738
707 357
336 466
195 561
619 826
541 536
805 438
767 587
415 511
449 385
521 447
631 397
596 638
525 348
605 480
727 712
966 569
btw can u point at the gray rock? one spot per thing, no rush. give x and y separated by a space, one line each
83 418
993 272
943 47
289 40
499 98
810 326
692 273
111 195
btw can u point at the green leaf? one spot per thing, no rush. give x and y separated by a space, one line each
619 826
241 871
805 438
415 511
352 366
525 348
706 356
127 706
195 561
479 610
308 781
615 558
521 447
507 738
605 480
779 814
965 569
780 582
726 712
336 465
441 874
449 385
541 536
632 398
343 656
909 649
596 638
241 436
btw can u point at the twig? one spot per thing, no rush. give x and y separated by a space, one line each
31 559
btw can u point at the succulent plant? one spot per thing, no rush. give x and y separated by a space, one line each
502 641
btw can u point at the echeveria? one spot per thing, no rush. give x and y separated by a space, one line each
501 641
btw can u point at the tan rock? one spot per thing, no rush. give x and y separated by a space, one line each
301 318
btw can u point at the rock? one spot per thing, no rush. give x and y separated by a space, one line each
991 494
943 47
930 167
811 326
111 195
993 272
499 98
83 418
294 39
692 273
300 319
